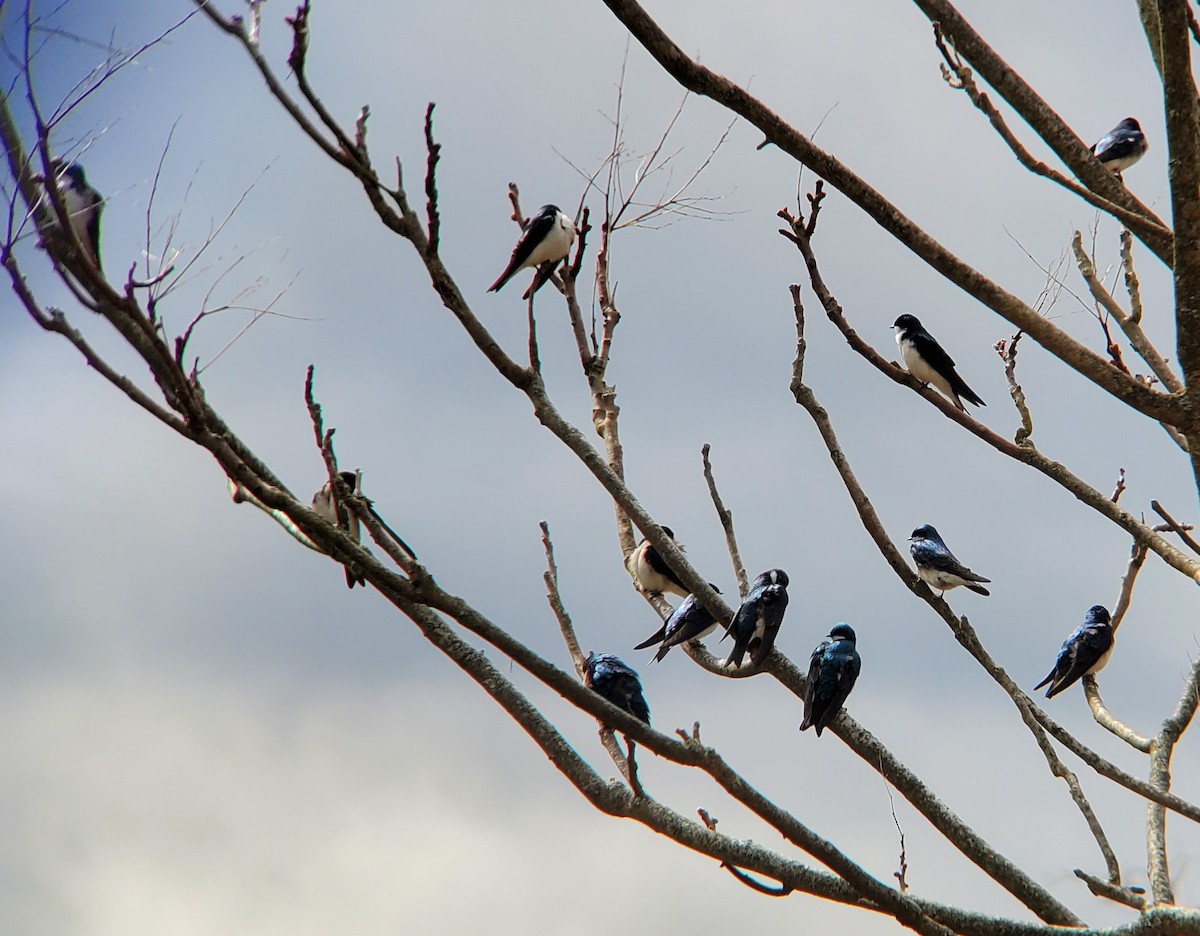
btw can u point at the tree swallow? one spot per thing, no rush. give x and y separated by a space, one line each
937 566
1122 146
652 573
928 361
1084 653
322 503
831 674
607 676
547 238
757 621
691 621
83 204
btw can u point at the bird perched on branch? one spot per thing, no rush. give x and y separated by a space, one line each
834 667
652 573
607 676
937 566
1122 146
344 518
928 361
756 623
83 204
1084 653
690 621
547 238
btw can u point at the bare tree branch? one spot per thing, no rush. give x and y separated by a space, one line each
701 80
726 518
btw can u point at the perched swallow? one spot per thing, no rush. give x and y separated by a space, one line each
322 503
757 621
1122 146
652 573
1084 653
937 566
831 674
607 676
691 621
83 204
928 361
547 238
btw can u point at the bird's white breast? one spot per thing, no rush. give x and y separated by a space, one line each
1100 663
938 579
917 366
556 245
79 211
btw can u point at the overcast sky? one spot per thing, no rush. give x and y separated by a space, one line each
205 732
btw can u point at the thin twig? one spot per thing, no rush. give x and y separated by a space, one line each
1119 489
1132 285
1137 555
1160 776
1129 896
726 518
434 153
607 737
1177 527
1105 719
1129 321
1091 687
1008 354
241 495
901 876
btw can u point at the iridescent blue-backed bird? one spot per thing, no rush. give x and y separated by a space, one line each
691 621
1122 146
756 623
928 361
937 566
1084 653
834 667
607 676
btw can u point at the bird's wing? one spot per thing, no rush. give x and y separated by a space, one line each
1087 645
535 232
937 556
693 620
840 679
1118 148
659 565
933 353
539 227
814 675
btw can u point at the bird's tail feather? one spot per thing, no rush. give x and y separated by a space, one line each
657 637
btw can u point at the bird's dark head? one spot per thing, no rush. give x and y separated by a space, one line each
843 631
925 532
1130 123
1098 614
349 477
75 176
549 210
906 321
670 533
771 577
